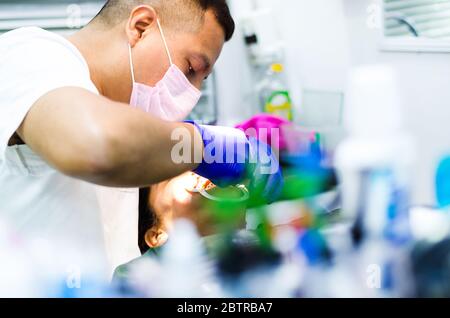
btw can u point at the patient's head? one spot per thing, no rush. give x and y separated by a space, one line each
174 199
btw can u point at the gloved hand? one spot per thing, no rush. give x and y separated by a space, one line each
230 158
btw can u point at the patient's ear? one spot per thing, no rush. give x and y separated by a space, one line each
156 238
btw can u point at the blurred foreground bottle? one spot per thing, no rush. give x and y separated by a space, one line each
375 166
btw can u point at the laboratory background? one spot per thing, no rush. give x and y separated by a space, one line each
359 91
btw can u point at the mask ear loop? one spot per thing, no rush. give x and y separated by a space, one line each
245 195
131 63
165 42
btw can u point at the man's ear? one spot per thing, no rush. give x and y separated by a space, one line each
141 20
156 238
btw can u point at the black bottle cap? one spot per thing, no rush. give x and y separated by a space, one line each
251 39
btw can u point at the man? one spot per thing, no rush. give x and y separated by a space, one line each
66 125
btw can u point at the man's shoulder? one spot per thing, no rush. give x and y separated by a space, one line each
40 58
27 34
35 42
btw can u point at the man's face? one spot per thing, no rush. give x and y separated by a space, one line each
195 53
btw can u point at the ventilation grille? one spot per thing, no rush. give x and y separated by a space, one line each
423 18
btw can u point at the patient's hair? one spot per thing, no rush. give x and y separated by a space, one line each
179 14
147 218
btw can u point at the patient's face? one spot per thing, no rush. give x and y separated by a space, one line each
176 199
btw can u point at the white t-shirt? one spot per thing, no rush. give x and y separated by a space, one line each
35 199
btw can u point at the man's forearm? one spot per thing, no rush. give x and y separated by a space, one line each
94 139
141 154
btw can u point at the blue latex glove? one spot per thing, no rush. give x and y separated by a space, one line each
230 158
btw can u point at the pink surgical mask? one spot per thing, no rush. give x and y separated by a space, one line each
172 99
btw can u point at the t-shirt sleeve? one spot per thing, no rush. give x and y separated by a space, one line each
30 67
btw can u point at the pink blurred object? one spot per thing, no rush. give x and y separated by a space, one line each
299 139
263 127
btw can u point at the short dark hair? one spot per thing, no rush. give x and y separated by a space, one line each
147 218
223 15
115 11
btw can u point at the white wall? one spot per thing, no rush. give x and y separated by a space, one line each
233 74
317 50
425 91
325 39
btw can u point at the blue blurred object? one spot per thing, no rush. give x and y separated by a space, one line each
305 154
88 288
266 176
315 247
307 172
443 183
